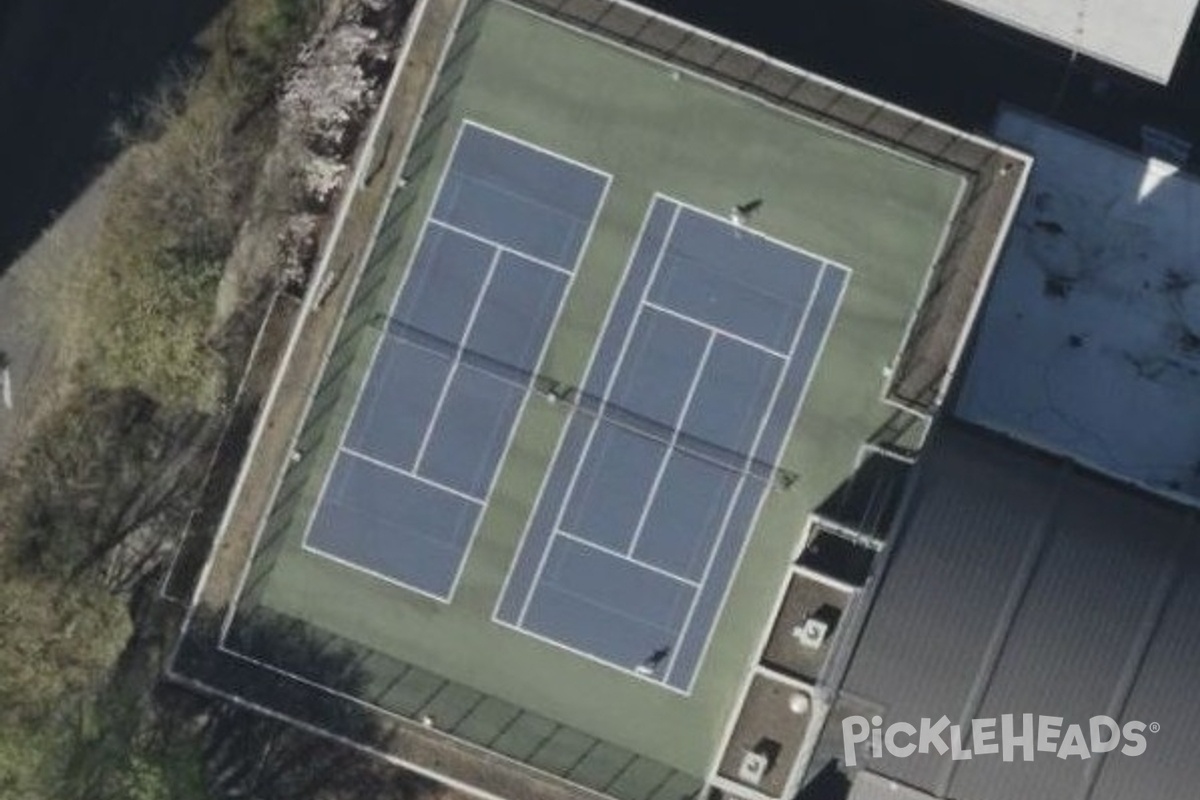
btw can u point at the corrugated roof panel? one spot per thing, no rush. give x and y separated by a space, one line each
1082 625
1022 584
1167 693
940 603
869 786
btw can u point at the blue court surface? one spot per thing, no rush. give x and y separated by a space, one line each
455 363
653 493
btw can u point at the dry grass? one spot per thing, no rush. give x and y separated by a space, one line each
137 309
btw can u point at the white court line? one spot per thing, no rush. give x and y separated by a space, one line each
714 329
795 415
595 659
409 474
608 387
562 436
194 605
822 261
643 302
505 248
622 556
391 307
362 385
607 609
312 549
545 151
755 653
458 353
742 478
823 268
546 339
666 458
471 184
737 495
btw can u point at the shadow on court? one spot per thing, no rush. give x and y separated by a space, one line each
67 71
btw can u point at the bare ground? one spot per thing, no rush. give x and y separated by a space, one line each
28 322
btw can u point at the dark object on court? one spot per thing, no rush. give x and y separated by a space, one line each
655 659
749 207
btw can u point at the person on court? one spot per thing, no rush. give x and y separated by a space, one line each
657 658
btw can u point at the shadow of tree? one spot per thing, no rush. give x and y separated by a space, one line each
105 485
249 752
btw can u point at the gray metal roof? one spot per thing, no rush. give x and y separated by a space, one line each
868 786
1023 584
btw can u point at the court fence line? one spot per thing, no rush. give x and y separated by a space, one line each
928 358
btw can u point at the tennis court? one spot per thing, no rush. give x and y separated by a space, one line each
401 539
455 361
653 492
